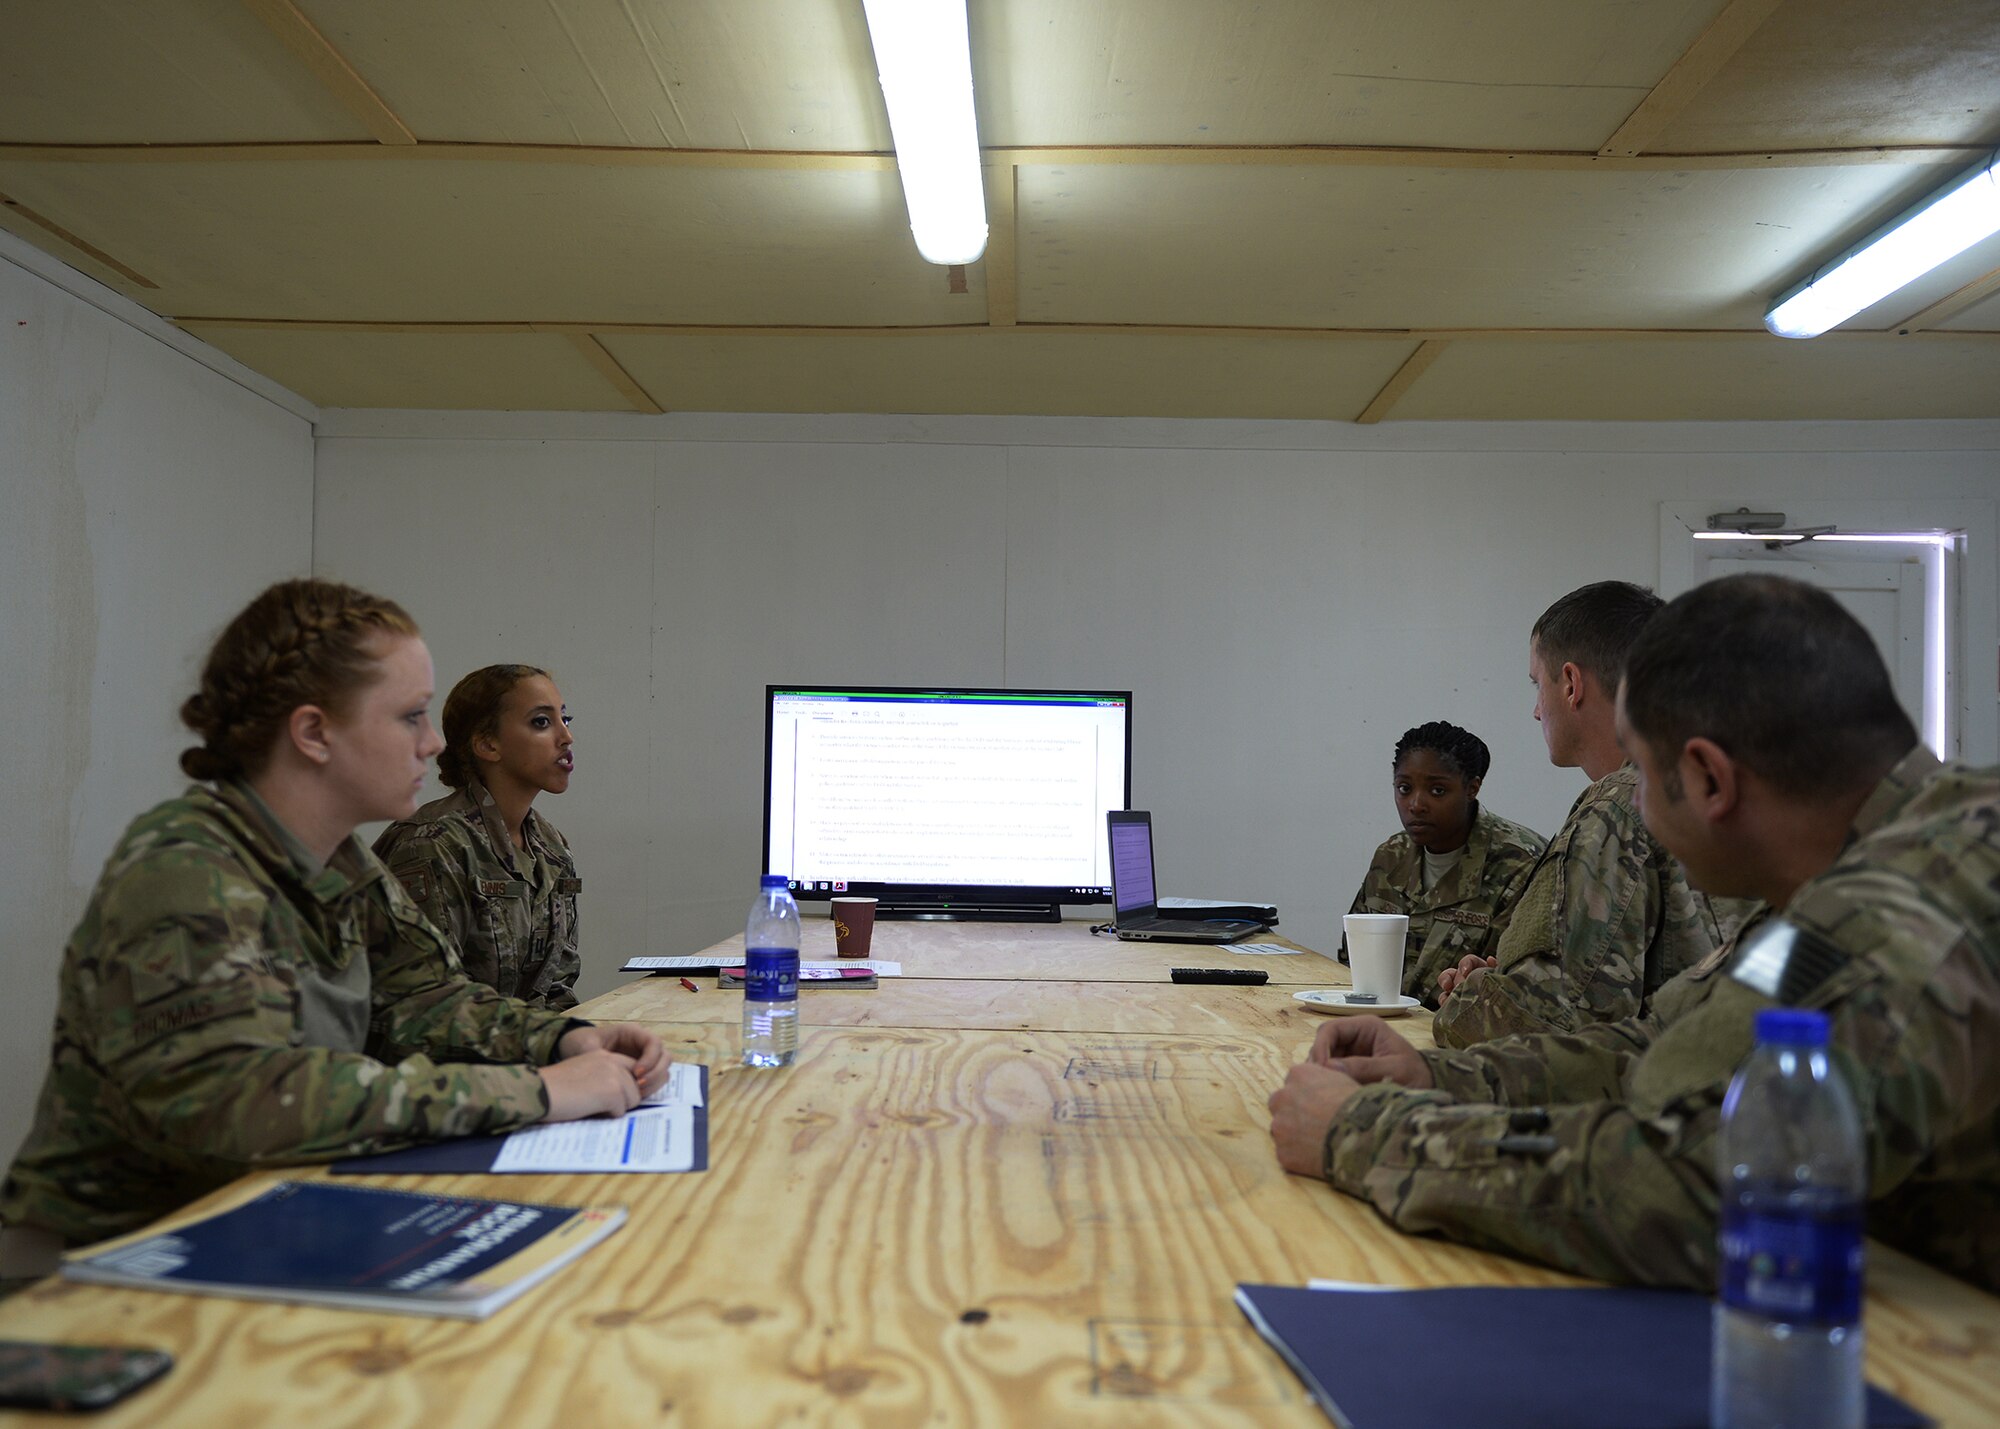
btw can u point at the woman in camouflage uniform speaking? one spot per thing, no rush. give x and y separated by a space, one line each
484 866
249 987
1456 869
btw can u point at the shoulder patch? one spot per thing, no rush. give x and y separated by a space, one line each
416 882
1785 962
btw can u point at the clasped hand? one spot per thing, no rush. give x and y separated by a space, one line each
1466 977
1345 1055
604 1070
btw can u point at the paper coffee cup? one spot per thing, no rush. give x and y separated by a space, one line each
1375 951
853 926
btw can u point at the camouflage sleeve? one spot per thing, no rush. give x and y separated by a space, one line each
565 960
1607 898
1543 1068
1508 888
564 965
199 1031
1916 1004
1621 1185
431 874
1589 1188
424 1001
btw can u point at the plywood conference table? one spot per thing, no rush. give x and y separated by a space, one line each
1016 1186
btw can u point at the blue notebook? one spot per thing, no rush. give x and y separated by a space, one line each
1493 1357
356 1247
474 1155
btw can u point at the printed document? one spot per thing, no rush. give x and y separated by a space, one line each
656 1135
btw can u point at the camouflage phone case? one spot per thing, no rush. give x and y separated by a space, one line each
37 1376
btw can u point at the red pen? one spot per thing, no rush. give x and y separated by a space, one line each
689 986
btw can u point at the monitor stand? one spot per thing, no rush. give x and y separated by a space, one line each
968 911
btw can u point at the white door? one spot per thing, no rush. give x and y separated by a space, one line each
1927 596
1884 589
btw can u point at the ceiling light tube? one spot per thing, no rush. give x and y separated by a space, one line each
925 64
1940 228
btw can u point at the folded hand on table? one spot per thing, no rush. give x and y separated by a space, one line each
1345 1054
604 1070
1369 1050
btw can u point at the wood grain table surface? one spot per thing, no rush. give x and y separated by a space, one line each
956 1224
1066 952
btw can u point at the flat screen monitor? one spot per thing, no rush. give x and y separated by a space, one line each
945 803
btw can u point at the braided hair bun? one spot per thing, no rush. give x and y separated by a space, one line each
304 642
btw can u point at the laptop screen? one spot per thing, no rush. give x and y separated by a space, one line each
1132 864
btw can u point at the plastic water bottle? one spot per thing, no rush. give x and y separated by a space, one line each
771 977
1794 1182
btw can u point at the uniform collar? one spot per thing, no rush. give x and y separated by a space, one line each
1898 786
278 847
497 832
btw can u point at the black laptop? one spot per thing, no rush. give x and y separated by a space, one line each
1135 899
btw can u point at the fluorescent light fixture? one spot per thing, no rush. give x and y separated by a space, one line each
1941 227
925 64
1890 538
1939 539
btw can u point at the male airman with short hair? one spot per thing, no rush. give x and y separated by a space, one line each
1607 917
1775 763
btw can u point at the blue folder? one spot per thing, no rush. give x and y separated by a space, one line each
1494 1357
475 1154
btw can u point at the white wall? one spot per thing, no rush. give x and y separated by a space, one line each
147 496
1284 599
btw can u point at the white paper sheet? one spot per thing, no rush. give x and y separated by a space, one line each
681 1088
882 967
657 1135
653 1138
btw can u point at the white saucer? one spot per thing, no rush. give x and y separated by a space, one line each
1335 1000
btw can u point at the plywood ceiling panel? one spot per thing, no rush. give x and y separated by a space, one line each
407 239
1980 317
528 173
1422 248
718 74
1537 74
1852 73
1109 374
1709 379
506 372
195 71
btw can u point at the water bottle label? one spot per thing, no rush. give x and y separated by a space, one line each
1792 1265
771 974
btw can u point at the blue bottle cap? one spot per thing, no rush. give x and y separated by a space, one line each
773 880
1792 1027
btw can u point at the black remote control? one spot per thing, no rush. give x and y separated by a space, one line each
1250 977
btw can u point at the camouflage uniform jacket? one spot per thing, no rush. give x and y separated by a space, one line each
221 1009
1606 920
512 912
1594 1151
1467 910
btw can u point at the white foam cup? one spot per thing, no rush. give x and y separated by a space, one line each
1375 951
